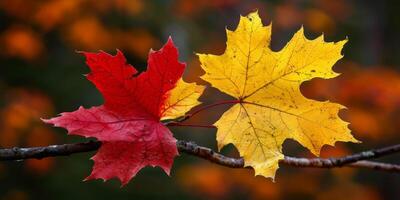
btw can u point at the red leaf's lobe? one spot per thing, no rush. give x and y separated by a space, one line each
128 124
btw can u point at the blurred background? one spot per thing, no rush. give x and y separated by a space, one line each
41 75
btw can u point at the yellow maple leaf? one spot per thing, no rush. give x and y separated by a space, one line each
270 105
181 99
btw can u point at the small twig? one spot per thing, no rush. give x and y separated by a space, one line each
195 112
354 160
190 125
179 121
376 166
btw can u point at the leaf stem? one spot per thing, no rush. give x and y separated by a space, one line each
191 125
208 107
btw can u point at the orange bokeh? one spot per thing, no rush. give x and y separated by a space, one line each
21 125
22 42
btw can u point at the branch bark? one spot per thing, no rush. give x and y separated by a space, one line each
358 160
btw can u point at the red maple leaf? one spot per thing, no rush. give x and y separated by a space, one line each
128 124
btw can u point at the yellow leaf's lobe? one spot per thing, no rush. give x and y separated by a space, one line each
181 99
267 83
228 72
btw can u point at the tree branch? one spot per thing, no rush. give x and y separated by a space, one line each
357 160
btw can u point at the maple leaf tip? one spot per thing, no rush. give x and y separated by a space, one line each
92 176
47 121
123 183
253 13
167 170
346 39
92 158
84 53
267 176
323 36
81 52
170 42
301 30
354 140
120 54
88 178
